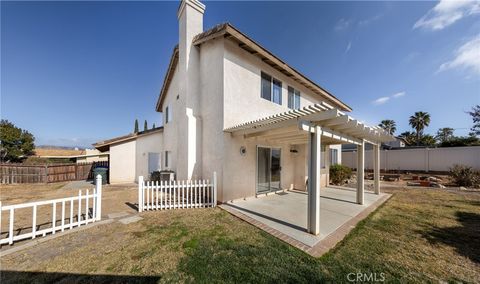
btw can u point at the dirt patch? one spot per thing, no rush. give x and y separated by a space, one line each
115 199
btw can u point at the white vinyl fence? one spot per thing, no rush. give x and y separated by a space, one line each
419 159
88 210
176 194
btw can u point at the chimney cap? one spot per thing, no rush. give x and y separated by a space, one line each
195 4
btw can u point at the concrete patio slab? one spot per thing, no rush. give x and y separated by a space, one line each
118 215
129 220
285 216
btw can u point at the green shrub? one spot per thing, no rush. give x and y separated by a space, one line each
465 176
339 174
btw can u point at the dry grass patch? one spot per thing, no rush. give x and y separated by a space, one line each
417 236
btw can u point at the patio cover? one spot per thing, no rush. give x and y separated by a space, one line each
337 127
317 124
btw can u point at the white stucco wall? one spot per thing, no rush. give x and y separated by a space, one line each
122 162
152 143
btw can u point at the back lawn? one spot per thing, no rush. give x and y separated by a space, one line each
417 235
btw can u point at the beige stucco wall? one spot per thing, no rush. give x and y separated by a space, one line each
218 86
98 156
242 84
129 160
170 138
424 159
122 162
242 103
239 172
152 143
211 109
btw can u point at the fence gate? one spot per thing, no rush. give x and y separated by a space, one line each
177 194
73 212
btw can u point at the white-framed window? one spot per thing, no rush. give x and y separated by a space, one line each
168 114
168 158
293 98
271 89
333 156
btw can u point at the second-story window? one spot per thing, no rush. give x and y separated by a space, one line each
168 114
293 98
277 92
271 89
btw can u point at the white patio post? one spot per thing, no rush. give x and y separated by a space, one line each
327 162
360 171
140 194
376 168
98 190
314 153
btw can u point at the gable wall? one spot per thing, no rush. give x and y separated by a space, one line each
170 129
242 87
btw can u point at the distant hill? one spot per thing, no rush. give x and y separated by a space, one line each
59 147
41 151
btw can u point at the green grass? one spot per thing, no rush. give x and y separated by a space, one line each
417 236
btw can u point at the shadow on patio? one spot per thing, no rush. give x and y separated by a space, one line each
287 213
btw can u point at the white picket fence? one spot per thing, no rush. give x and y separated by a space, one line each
177 194
89 210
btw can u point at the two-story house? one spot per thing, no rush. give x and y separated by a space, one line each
232 107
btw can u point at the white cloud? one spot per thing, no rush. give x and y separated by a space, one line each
467 57
369 20
398 95
381 101
447 12
348 47
343 24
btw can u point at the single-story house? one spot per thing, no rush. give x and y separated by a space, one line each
232 107
133 155
77 156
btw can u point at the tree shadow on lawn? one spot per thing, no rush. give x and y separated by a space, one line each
464 238
8 276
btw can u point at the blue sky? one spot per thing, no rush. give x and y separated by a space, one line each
74 73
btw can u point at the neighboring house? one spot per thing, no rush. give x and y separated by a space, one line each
399 142
92 155
77 156
232 107
133 155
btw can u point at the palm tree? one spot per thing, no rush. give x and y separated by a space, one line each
388 125
444 134
409 137
419 121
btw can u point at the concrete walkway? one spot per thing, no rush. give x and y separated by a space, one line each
287 213
79 184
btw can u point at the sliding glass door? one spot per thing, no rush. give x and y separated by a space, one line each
268 169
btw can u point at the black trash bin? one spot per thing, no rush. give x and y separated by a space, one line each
101 171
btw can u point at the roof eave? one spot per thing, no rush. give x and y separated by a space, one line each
168 78
227 30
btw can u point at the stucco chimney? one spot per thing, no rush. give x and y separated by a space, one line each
190 24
